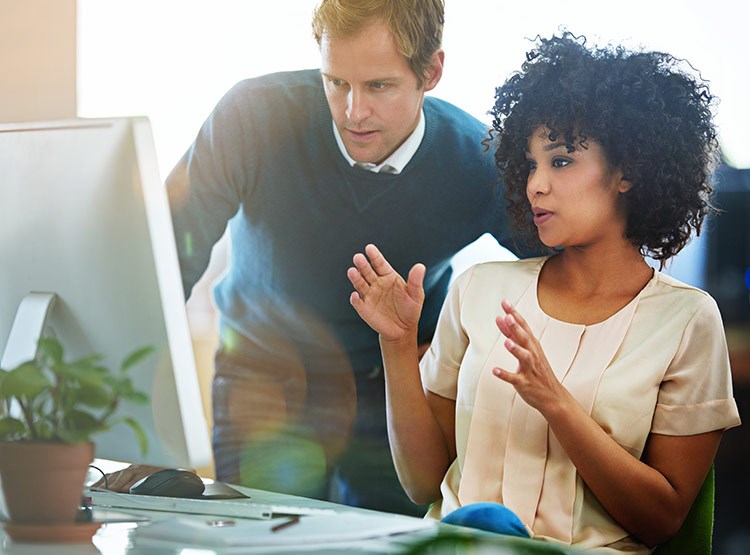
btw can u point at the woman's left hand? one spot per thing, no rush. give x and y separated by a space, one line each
534 379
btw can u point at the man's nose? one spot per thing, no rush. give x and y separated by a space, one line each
358 108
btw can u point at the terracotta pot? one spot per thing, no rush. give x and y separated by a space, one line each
43 481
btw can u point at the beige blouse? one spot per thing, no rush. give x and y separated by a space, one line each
658 365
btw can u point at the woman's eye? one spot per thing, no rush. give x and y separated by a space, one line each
560 162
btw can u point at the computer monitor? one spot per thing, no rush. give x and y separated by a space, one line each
85 221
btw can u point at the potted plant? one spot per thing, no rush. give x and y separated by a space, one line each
45 446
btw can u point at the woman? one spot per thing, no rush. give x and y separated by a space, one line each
585 391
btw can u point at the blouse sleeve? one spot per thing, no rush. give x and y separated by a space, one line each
696 393
440 364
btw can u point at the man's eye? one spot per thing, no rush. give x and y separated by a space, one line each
379 85
336 82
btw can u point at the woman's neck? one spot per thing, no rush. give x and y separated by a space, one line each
588 285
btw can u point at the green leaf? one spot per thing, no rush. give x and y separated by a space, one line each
51 347
87 361
44 430
95 397
139 434
67 401
10 427
135 357
137 397
79 425
122 387
81 421
26 381
3 373
88 375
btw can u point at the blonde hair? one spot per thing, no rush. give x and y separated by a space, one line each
416 25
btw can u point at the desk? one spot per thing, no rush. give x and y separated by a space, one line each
122 538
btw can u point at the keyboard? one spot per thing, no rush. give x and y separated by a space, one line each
238 508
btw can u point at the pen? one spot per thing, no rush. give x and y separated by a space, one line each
285 524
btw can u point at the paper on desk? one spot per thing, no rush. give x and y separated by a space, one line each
315 529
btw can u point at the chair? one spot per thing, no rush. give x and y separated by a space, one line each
693 538
695 535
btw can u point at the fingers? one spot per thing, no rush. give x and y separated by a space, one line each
368 268
513 331
368 271
356 300
356 279
510 377
520 341
362 265
415 279
379 263
513 325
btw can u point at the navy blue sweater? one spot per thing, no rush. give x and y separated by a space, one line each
267 159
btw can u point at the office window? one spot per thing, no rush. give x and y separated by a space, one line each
172 60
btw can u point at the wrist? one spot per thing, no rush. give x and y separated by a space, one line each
563 404
408 339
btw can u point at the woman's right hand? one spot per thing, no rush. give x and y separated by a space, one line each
389 305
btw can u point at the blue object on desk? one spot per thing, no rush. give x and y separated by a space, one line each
491 517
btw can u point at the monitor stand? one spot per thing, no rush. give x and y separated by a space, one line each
27 328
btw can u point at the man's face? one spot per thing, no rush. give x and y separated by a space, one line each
372 92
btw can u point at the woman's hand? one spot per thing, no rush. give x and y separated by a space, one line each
389 305
534 379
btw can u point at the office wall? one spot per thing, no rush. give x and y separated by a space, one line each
38 59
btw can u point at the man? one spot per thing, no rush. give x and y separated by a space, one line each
307 167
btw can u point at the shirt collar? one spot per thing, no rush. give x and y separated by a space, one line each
398 159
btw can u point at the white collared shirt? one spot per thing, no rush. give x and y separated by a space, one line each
398 159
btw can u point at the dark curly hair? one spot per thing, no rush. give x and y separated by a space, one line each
650 113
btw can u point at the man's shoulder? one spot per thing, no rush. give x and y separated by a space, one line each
454 128
279 81
444 111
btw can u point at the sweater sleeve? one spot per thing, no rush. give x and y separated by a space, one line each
207 186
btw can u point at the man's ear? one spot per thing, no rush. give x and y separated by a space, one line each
435 70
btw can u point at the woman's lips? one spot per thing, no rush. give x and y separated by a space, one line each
541 216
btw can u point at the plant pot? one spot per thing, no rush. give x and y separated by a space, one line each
43 481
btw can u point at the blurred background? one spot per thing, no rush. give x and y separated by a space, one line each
172 60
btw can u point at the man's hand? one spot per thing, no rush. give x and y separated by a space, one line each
389 305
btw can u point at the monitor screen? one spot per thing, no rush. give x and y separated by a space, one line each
84 220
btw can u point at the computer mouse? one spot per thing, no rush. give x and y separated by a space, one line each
170 482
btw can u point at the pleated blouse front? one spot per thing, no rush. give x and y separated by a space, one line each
506 452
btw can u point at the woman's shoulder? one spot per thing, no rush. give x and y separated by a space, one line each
502 276
510 268
678 291
677 301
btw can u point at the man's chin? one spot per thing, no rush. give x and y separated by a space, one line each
364 157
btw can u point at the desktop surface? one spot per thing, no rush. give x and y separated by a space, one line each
141 535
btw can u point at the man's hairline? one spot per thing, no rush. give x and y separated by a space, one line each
421 79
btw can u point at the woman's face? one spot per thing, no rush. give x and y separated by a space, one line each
575 196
